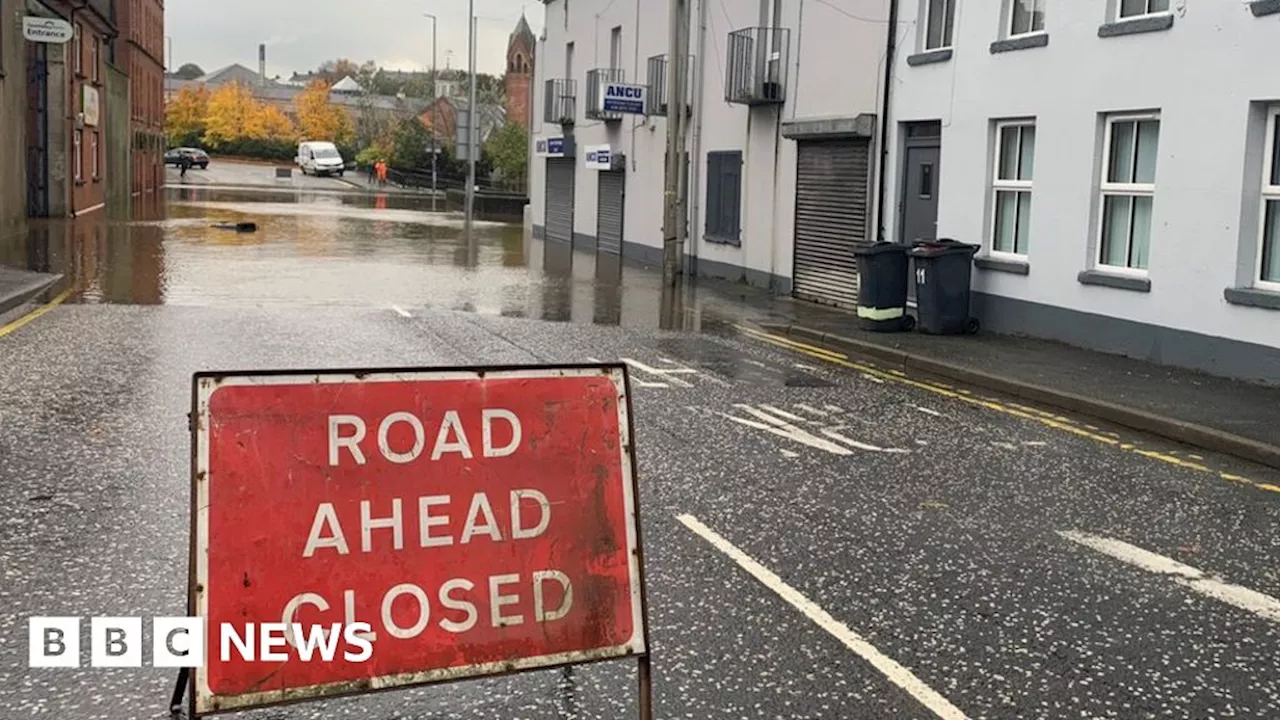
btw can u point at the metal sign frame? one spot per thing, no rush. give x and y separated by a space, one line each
194 683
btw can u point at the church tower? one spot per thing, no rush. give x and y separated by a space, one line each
519 78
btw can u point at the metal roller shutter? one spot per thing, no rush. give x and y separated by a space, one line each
559 216
609 214
831 219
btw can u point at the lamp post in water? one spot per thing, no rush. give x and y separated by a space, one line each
435 151
471 119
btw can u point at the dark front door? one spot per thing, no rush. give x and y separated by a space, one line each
920 194
37 130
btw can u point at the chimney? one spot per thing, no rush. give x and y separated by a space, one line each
262 64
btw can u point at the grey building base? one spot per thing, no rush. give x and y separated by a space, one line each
1167 346
1265 7
698 267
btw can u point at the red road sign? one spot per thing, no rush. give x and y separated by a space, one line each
481 521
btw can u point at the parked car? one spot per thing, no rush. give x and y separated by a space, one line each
198 157
320 158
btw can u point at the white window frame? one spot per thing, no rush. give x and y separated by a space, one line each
998 185
1122 189
78 48
1149 13
1009 23
93 148
78 137
950 9
95 50
1270 193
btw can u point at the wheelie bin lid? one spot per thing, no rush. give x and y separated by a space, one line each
880 248
942 246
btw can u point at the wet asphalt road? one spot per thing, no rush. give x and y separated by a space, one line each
928 524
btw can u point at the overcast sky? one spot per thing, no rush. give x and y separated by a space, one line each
301 34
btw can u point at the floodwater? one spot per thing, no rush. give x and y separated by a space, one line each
328 249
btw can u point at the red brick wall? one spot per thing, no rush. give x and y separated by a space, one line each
86 157
518 87
141 54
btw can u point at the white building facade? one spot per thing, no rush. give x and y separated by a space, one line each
783 139
1117 160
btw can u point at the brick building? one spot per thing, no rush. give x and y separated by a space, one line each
140 53
519 77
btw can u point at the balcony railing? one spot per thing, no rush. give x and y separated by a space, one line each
757 66
658 81
560 101
596 80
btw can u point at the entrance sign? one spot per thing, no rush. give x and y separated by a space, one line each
475 521
46 30
623 98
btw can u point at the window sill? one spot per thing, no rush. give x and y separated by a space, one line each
1134 26
97 180
929 57
1265 7
1016 267
1119 282
1022 42
1253 297
718 240
79 183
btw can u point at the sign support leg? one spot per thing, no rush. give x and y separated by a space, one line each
179 689
646 689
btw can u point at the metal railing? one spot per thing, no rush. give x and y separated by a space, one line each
658 91
560 101
596 80
758 58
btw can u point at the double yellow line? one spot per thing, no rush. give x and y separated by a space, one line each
1057 422
29 317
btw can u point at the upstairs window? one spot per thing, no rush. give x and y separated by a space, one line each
1026 17
939 23
1139 8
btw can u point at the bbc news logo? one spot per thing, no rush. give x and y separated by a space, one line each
178 642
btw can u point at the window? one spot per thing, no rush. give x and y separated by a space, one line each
1138 8
79 156
615 48
724 196
93 157
1269 257
1128 191
568 60
95 49
1027 16
78 50
1011 187
940 18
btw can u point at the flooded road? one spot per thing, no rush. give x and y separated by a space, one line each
342 249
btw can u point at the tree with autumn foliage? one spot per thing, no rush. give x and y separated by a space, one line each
236 123
319 119
184 117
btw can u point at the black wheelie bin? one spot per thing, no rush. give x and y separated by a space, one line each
882 287
944 270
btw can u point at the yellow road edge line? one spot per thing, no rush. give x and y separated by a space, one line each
1056 422
22 321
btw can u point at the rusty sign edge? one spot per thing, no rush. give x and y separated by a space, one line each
202 702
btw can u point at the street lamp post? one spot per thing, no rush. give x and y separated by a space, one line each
472 122
435 128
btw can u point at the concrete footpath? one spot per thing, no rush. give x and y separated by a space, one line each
18 287
1235 417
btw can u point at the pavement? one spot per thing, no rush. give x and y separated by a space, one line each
18 287
232 173
825 537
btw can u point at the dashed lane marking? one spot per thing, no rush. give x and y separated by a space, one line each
22 321
401 311
896 673
1057 422
1259 604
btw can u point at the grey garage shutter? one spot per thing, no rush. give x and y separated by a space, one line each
609 215
831 219
559 215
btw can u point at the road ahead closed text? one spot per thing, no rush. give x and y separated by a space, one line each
476 522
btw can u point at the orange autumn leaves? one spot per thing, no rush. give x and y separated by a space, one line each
231 116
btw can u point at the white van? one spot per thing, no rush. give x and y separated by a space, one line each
320 158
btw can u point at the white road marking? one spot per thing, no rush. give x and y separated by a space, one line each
783 413
859 445
897 674
1253 601
834 409
401 311
789 454
872 378
803 366
1034 443
811 410
1005 445
927 411
781 428
665 373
